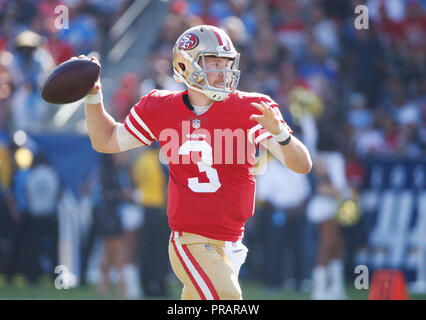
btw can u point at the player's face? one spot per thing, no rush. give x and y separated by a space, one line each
216 79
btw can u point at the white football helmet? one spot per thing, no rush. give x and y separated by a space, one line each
189 65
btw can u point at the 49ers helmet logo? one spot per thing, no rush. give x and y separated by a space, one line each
188 41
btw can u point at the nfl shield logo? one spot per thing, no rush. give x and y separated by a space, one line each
196 123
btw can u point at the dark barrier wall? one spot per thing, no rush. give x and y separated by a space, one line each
71 155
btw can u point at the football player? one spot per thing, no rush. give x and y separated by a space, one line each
208 134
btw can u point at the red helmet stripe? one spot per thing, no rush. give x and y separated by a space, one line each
219 39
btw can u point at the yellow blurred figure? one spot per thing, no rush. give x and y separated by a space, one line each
5 167
150 179
304 101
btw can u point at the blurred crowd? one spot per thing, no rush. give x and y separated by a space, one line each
35 36
355 93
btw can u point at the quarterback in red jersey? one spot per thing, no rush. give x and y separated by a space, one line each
208 134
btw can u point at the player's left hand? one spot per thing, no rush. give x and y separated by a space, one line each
270 118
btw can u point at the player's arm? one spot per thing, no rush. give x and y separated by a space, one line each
101 126
291 151
106 135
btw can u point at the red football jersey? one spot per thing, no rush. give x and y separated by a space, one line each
211 158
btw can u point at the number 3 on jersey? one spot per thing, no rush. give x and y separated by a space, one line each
205 165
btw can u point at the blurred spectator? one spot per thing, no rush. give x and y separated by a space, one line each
414 32
370 141
284 224
268 54
20 262
5 162
161 79
304 108
60 49
236 29
108 225
325 31
210 11
422 126
131 217
288 79
84 35
359 117
243 10
328 273
106 13
393 10
5 236
336 9
5 214
125 96
365 64
30 66
355 171
319 71
42 190
5 89
150 178
291 29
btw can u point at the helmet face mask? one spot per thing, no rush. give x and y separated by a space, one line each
189 62
231 75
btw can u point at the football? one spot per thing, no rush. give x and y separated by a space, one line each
70 81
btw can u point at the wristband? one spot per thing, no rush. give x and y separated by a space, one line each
94 98
285 142
283 136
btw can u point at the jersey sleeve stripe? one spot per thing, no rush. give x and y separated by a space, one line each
143 125
262 137
252 132
131 128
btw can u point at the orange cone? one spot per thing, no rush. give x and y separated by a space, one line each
388 285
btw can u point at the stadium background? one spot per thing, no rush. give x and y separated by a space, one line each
365 90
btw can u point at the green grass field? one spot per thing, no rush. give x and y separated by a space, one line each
251 291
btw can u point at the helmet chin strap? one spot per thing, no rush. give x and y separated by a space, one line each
212 95
216 96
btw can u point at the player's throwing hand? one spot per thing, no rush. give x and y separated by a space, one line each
270 118
97 86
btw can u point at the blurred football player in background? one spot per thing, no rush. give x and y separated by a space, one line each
210 197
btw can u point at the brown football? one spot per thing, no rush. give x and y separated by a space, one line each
70 81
